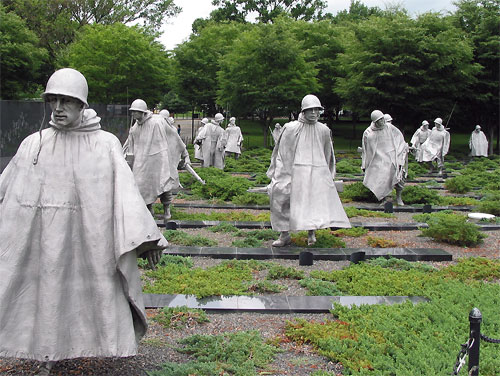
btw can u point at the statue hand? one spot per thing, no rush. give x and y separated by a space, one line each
153 257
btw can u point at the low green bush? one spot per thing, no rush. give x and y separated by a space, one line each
223 227
351 211
180 214
279 272
490 203
183 238
379 242
263 287
357 192
262 178
348 166
417 169
457 201
459 184
453 229
238 353
324 239
247 242
354 232
180 317
415 194
250 198
318 287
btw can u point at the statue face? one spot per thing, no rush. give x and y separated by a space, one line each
380 123
425 126
66 110
137 115
312 114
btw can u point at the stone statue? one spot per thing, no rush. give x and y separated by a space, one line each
165 114
302 190
418 139
198 153
478 143
276 133
155 151
384 158
437 145
234 138
72 223
213 143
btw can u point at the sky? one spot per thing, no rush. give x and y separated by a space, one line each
178 29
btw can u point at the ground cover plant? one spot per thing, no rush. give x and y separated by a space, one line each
379 242
325 238
351 232
250 198
183 238
351 211
255 160
348 166
357 192
240 353
450 228
180 317
490 203
182 215
370 340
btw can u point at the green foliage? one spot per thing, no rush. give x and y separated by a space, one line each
180 317
220 216
262 178
417 169
318 287
490 203
223 187
228 278
223 227
254 161
279 272
176 260
457 201
400 264
374 339
474 176
415 194
379 242
254 238
353 232
357 192
324 239
453 229
348 166
263 287
249 198
351 211
247 242
238 353
183 238
459 184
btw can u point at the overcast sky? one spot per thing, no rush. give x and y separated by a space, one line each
179 28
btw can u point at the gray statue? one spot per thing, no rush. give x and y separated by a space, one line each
276 133
384 158
419 137
198 153
437 145
213 143
155 151
233 138
72 223
478 143
170 120
302 190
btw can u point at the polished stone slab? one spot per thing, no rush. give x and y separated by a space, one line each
292 253
272 303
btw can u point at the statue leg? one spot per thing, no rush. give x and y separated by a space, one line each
311 237
166 200
45 368
284 239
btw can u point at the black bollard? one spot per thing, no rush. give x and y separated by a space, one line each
171 225
475 319
357 257
306 258
427 208
388 207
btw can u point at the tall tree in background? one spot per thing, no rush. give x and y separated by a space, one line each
266 71
412 69
480 19
120 63
21 58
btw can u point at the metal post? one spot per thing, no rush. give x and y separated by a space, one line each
475 319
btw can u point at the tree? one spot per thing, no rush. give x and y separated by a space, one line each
21 57
266 72
196 63
412 69
120 63
269 10
480 19
357 12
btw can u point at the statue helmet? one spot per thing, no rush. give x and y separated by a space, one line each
310 101
138 105
218 117
438 121
376 115
232 119
204 121
69 82
165 113
387 117
425 122
478 127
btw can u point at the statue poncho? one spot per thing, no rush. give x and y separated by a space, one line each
234 139
417 140
70 227
157 150
478 144
212 147
436 146
302 190
198 153
384 159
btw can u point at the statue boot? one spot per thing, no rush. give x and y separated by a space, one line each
399 200
283 240
166 200
311 237
45 368
385 200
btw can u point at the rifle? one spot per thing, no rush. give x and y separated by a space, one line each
193 172
449 116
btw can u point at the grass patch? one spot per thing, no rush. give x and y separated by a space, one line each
180 317
183 238
351 211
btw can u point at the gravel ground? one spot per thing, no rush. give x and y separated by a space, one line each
159 344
